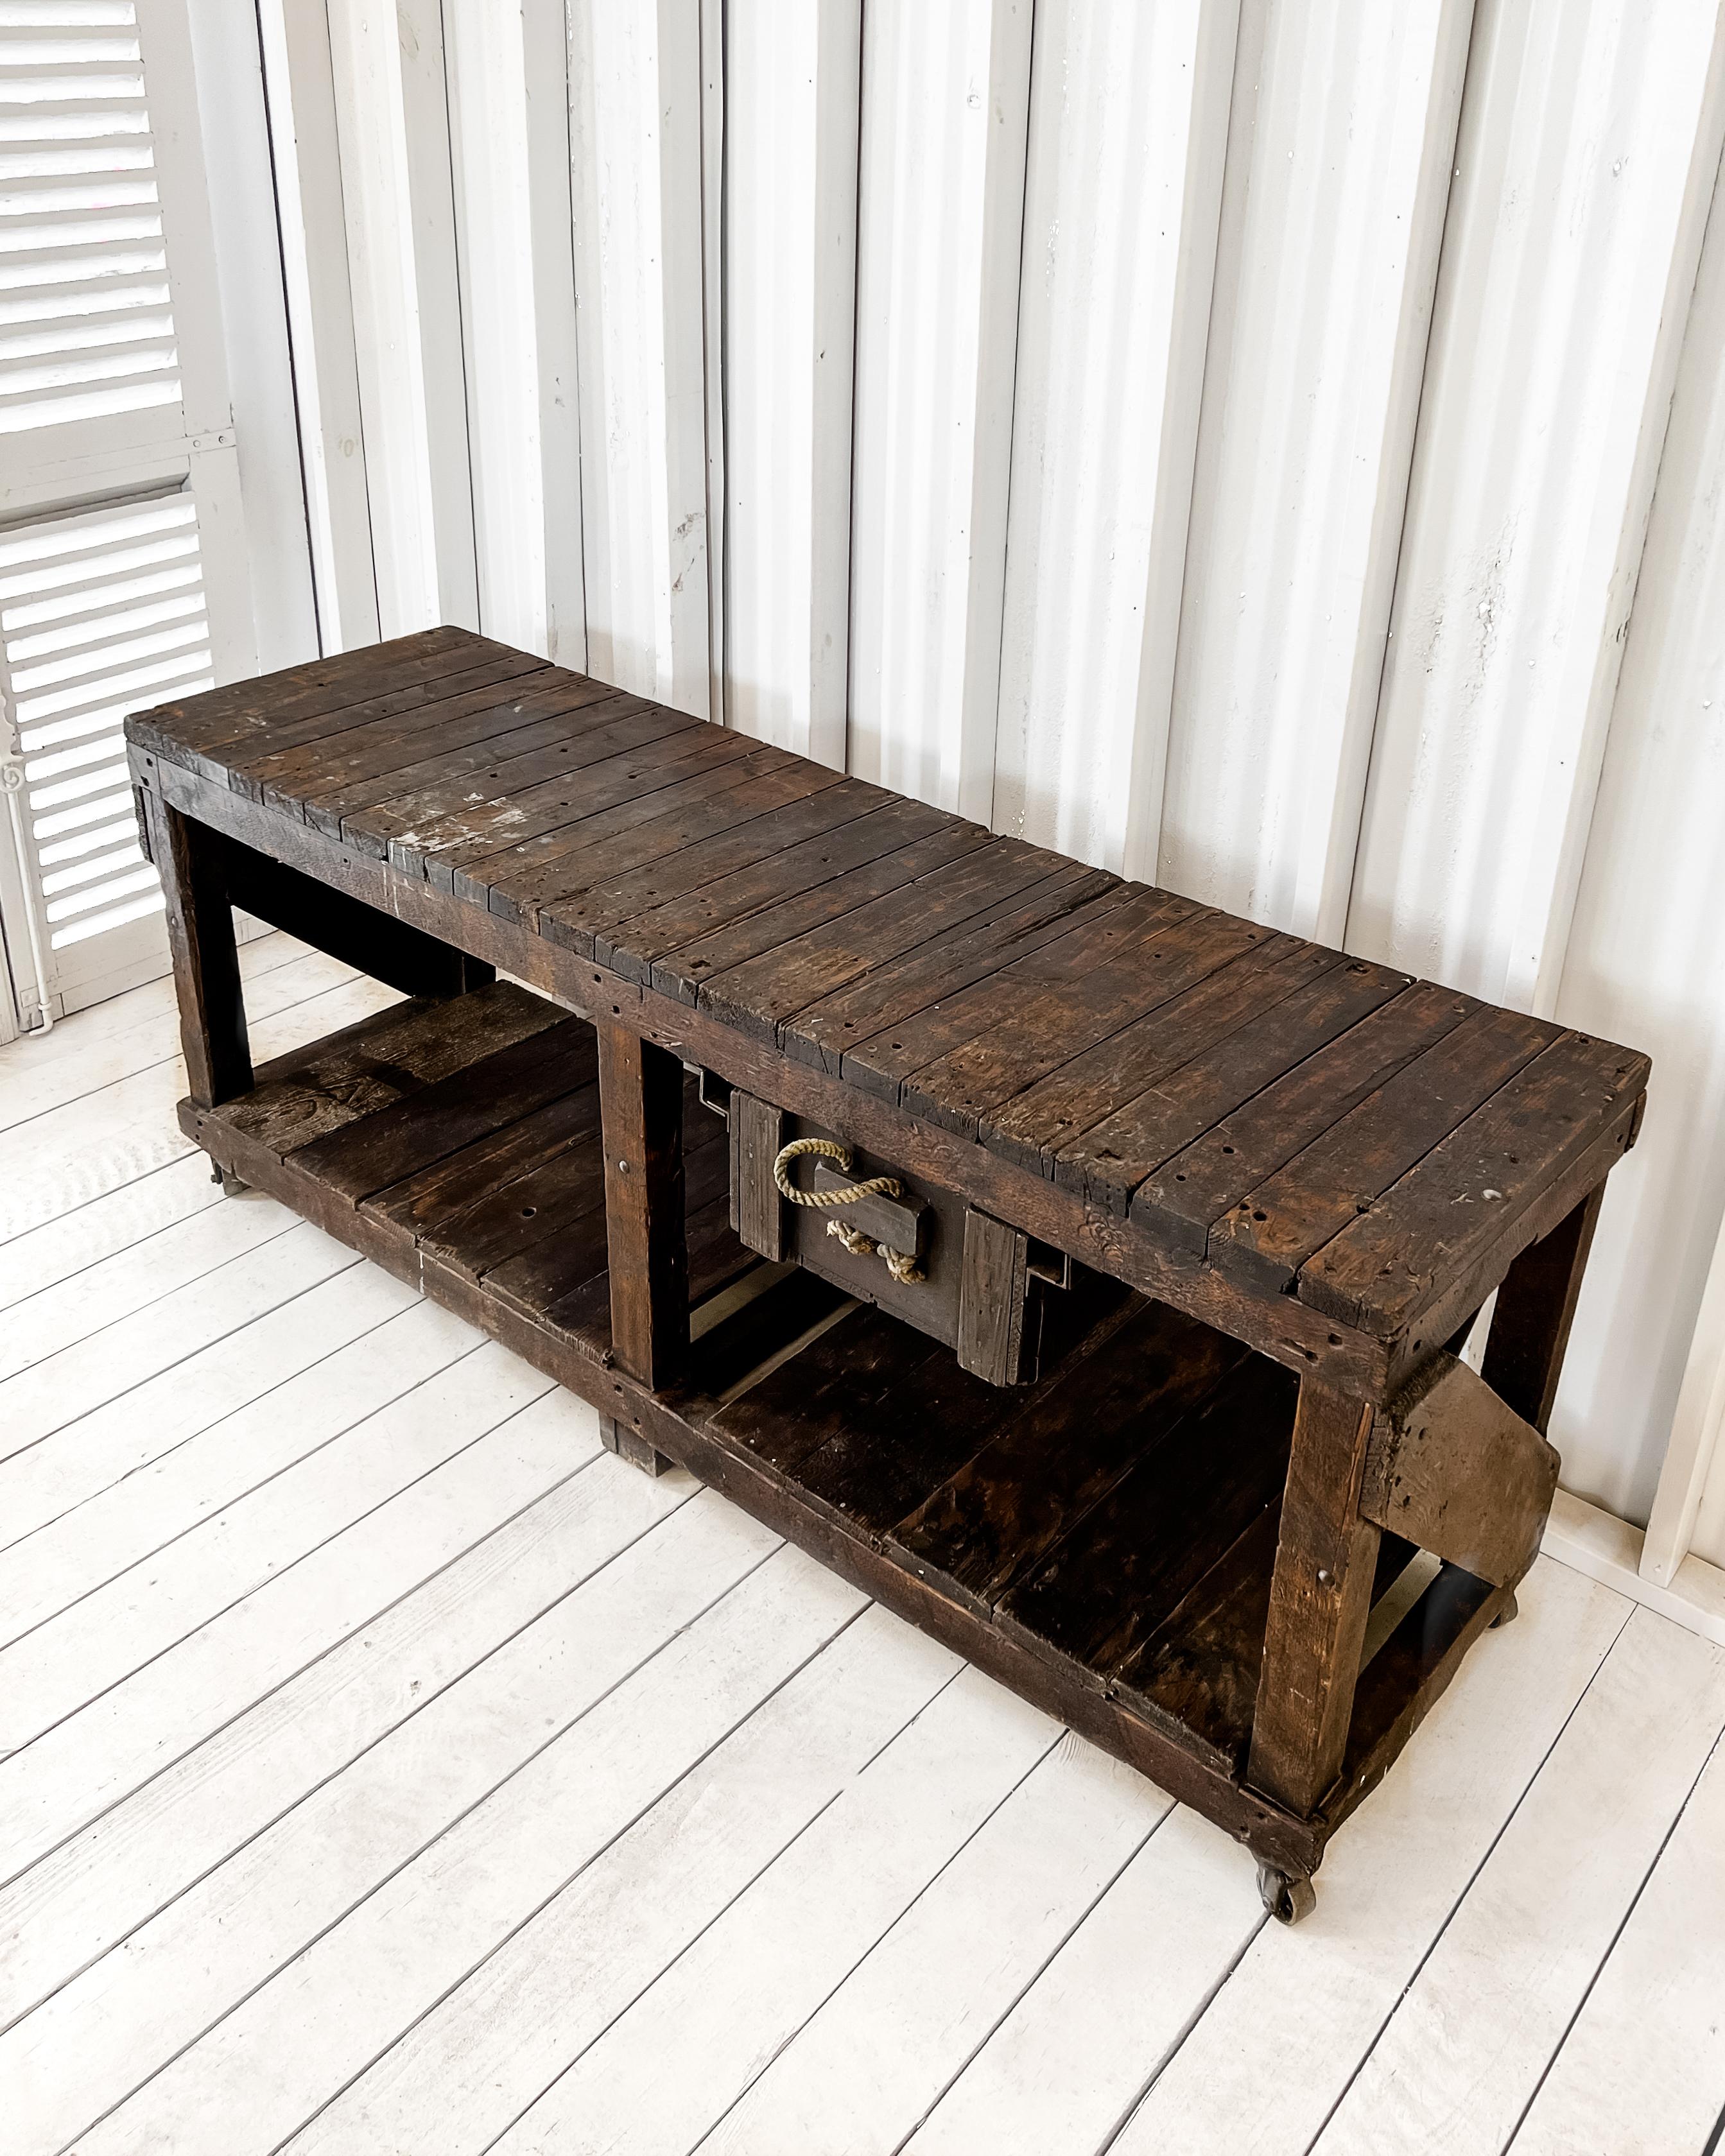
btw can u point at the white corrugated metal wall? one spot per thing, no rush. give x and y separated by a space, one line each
1275 446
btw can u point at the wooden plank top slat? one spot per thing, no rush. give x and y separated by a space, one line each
673 943
885 993
328 772
1308 1124
212 733
552 870
1278 1224
1385 1266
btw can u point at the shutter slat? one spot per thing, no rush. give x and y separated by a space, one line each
80 225
100 613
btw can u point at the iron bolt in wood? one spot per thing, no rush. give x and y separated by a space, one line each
1170 1400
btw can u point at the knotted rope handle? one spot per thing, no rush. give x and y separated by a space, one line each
860 1245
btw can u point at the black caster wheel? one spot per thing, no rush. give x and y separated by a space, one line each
1287 1896
1506 1615
231 1187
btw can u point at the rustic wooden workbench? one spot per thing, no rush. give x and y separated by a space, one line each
1168 1405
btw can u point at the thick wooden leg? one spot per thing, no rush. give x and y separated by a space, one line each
1320 1597
641 1119
200 936
630 1444
1536 1307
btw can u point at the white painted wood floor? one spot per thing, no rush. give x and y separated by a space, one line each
382 1767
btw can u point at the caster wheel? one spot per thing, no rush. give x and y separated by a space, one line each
231 1187
1287 1896
1506 1615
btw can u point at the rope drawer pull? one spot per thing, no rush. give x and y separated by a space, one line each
902 1268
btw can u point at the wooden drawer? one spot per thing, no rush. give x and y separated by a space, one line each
982 1283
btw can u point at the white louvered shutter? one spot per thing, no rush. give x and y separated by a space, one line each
123 573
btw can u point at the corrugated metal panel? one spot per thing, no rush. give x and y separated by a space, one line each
509 118
391 111
1339 157
635 128
1128 134
1587 157
791 118
1647 959
945 107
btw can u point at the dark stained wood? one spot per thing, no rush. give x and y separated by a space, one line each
563 862
992 1297
736 971
1199 1671
1320 1597
1277 1325
877 1419
477 754
550 1267
440 1120
1291 1149
1094 944
374 746
568 728
757 1209
1046 1026
896 1223
641 1109
804 967
949 959
628 1444
874 1461
1535 1308
1202 1475
730 1356
299 1096
1221 1128
1468 1188
504 823
853 1372
520 1236
1452 1469
878 827
1292 1206
431 1203
1113 1163
366 812
192 863
319 741
1078 1431
1034 1125
929 1302
1466 1290
717 1258
599 920
211 733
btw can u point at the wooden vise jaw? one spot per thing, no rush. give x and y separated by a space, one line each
1452 1469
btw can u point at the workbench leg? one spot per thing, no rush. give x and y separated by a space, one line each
641 1121
1536 1307
630 1444
200 938
1320 1597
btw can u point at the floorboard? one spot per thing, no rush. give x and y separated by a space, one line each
383 1766
1472 2036
1643 2063
320 1306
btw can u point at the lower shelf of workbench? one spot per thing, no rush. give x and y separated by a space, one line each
1102 1540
